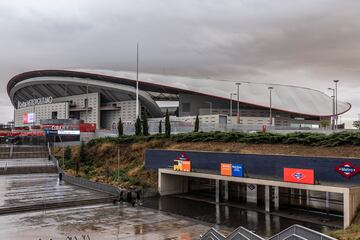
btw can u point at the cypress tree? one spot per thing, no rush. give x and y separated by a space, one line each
81 159
160 127
138 126
145 126
120 128
167 124
197 123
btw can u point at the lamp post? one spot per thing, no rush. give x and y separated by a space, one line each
336 103
333 108
238 102
270 103
231 109
137 80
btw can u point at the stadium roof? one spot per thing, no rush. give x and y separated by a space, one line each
120 86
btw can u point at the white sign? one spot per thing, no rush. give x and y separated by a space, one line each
35 101
69 132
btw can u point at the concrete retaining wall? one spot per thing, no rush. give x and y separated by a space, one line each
257 166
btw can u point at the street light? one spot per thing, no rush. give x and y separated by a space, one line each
238 102
210 103
336 102
270 103
231 110
333 108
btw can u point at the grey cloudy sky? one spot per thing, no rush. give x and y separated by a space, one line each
306 43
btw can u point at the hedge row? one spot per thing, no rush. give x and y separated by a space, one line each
311 139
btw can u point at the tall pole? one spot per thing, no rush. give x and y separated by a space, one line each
333 108
137 80
118 163
231 104
87 99
238 102
336 103
270 103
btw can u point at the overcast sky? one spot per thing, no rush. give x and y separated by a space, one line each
307 43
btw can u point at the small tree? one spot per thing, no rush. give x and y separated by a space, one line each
145 126
324 123
167 124
82 158
197 123
160 127
67 153
120 128
356 124
138 126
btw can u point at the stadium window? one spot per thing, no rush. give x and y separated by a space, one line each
54 115
186 107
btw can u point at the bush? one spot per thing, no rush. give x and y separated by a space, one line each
310 139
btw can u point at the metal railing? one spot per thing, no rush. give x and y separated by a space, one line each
297 231
293 232
82 182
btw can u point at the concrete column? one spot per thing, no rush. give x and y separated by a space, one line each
307 198
217 214
347 217
217 191
276 198
238 191
251 193
226 191
327 201
267 198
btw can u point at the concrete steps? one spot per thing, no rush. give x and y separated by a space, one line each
56 205
28 170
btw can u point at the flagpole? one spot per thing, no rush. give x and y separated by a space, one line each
137 80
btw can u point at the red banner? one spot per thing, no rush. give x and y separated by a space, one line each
87 127
297 175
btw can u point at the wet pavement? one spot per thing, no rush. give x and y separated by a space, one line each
263 224
31 189
102 222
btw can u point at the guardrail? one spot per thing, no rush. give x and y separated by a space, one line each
82 182
293 232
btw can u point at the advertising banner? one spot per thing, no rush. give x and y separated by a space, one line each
237 170
225 169
29 118
182 163
69 132
297 175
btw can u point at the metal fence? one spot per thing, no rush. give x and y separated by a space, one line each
187 127
291 233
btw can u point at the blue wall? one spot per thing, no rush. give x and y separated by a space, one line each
257 166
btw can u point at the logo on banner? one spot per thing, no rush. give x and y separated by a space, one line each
347 169
297 175
183 157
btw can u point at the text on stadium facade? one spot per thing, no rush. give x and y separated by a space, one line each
35 101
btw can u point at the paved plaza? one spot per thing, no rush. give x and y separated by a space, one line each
106 221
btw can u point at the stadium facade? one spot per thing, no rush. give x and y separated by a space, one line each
102 97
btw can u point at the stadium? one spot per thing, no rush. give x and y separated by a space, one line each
100 98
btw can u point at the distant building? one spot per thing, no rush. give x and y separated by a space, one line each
102 97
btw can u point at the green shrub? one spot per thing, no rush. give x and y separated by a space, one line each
307 138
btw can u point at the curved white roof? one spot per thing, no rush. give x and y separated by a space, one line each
287 98
284 97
